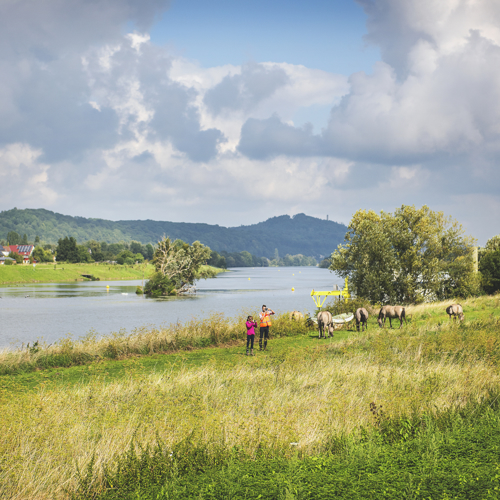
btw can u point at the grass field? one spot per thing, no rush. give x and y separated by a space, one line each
410 413
51 273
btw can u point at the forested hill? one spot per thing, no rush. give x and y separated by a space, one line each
290 235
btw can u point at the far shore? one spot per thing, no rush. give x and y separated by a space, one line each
63 272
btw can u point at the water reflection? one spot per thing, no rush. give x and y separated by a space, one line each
53 310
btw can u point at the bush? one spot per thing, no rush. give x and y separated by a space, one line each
158 285
18 258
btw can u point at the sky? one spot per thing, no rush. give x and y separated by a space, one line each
231 112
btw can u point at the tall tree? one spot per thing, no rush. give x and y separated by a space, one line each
489 264
177 265
13 238
410 256
24 239
67 250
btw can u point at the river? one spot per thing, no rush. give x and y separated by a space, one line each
51 311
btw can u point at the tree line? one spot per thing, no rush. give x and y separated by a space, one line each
69 250
300 234
413 255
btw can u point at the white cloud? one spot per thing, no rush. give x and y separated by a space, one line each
110 125
23 177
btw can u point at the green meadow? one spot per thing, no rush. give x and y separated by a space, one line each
52 273
182 412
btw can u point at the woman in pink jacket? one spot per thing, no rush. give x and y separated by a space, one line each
250 324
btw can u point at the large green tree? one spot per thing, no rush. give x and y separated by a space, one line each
67 250
177 265
13 238
489 264
409 256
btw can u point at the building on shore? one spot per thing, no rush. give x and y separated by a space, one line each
24 250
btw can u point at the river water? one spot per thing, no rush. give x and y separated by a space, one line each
51 311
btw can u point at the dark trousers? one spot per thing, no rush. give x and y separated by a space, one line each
264 334
250 339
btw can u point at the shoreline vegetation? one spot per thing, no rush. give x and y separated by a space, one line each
180 412
65 272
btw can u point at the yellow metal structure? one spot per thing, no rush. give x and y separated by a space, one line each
320 297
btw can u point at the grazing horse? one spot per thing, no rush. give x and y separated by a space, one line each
296 315
391 312
324 322
455 310
362 317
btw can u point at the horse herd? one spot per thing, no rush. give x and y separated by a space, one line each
325 321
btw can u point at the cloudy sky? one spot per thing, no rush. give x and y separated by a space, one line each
231 112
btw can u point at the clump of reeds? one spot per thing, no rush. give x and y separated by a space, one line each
195 333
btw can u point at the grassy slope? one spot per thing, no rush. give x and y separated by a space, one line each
45 273
303 390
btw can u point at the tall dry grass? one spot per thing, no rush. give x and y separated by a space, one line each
196 333
301 396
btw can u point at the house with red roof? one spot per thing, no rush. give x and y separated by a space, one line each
24 250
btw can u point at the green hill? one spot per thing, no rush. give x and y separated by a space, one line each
290 235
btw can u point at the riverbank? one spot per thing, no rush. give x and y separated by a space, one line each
58 273
384 413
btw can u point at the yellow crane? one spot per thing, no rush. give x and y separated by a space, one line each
320 297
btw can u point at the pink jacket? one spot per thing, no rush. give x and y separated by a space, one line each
250 327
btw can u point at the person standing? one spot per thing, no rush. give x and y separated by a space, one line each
265 323
251 324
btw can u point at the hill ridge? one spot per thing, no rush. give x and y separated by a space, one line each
295 234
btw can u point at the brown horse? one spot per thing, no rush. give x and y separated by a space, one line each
391 312
455 310
296 315
361 317
324 322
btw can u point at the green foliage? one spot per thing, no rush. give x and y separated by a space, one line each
24 239
290 235
159 285
84 254
177 265
411 256
243 259
325 264
9 262
294 260
489 266
17 257
217 260
41 255
67 250
13 238
493 244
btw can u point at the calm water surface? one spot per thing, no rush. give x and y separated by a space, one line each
50 311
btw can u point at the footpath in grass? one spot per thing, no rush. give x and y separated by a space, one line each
56 273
